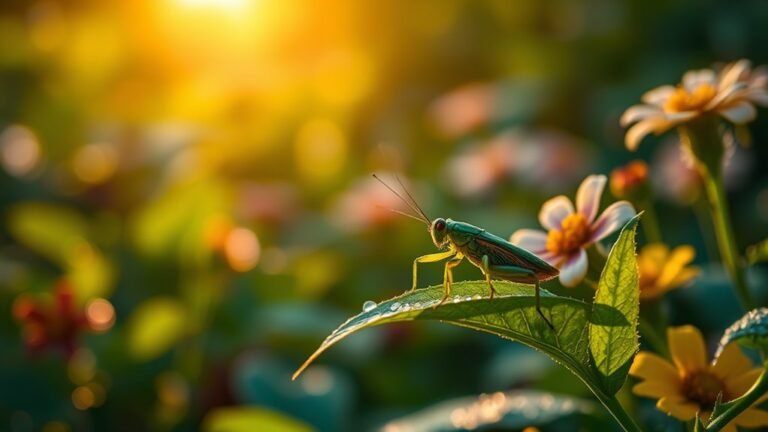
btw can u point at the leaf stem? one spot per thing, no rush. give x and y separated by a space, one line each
617 411
737 406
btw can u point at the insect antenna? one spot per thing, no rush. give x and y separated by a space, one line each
421 216
416 218
413 200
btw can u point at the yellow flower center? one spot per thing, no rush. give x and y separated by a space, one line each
702 388
573 233
696 100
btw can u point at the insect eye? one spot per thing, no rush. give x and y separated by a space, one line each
440 225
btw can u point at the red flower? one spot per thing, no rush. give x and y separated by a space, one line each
54 326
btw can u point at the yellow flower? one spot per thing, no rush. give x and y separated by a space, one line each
690 384
731 93
662 270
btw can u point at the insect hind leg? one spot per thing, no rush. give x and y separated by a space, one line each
448 277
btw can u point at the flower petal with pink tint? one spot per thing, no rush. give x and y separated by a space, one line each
740 113
554 211
574 269
637 132
588 196
732 73
658 95
613 218
639 112
532 240
693 79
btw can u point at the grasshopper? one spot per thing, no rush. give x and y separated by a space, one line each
493 255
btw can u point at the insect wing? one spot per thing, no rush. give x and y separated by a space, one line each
502 252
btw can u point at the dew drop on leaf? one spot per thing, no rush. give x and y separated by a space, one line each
369 305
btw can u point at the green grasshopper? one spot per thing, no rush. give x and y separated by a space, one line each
493 255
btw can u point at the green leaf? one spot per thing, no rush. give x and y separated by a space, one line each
511 410
613 342
247 419
62 236
751 330
511 315
155 326
757 253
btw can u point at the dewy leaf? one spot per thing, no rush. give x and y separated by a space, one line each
751 330
511 410
613 343
512 315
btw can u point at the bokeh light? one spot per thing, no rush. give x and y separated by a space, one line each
19 150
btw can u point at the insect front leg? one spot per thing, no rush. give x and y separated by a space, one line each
428 259
519 274
448 277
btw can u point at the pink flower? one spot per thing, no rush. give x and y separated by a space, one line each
571 232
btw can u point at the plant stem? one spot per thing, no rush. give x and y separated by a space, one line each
737 406
725 239
703 139
650 221
617 411
650 334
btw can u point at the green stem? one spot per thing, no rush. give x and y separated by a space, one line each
617 411
650 334
650 221
725 239
737 406
703 139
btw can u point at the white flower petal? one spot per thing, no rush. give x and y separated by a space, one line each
727 95
758 96
589 194
637 132
554 211
740 113
732 73
532 240
613 218
693 79
639 112
658 96
574 269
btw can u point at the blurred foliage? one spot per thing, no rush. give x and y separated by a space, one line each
203 167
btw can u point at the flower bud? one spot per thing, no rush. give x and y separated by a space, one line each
630 180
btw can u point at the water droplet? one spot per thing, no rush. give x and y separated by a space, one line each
417 305
467 298
456 298
477 297
369 306
395 306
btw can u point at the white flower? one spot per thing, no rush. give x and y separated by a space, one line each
730 93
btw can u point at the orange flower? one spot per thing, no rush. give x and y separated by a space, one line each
629 179
690 385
